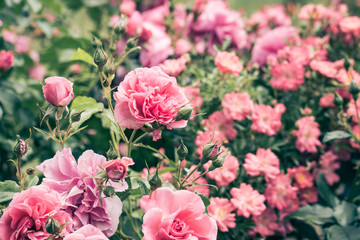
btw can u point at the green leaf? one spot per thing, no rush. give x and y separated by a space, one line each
94 3
81 55
334 135
88 106
115 237
316 214
7 190
35 5
325 192
205 200
46 28
345 213
143 188
31 181
101 174
337 232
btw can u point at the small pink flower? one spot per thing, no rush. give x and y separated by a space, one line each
127 7
193 95
350 25
27 213
37 72
220 209
326 68
287 76
266 223
87 232
308 195
237 106
176 215
173 67
117 169
58 91
328 165
264 162
9 36
114 20
147 95
6 60
327 100
22 44
218 122
182 46
76 68
351 111
247 201
307 135
228 63
302 176
267 119
227 173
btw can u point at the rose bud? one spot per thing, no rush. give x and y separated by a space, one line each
58 91
52 226
117 169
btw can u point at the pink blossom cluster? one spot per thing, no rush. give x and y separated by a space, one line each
307 135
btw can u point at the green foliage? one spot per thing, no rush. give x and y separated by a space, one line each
7 190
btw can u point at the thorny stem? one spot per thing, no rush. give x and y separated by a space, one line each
189 174
193 181
51 131
20 174
59 133
129 145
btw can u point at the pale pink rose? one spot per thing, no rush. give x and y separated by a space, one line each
328 165
157 14
247 201
147 95
127 7
37 72
76 68
87 232
200 185
173 67
307 135
22 44
237 106
58 91
193 95
35 56
356 132
267 119
350 25
218 122
27 213
327 100
179 18
266 223
80 193
302 177
264 162
352 111
225 174
228 63
114 20
205 137
268 44
182 46
280 193
9 36
134 24
176 215
346 77
220 209
312 11
326 68
118 168
287 76
6 60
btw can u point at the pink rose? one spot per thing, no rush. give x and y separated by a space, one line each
147 95
228 63
26 215
87 232
22 44
176 215
6 60
37 72
117 169
58 91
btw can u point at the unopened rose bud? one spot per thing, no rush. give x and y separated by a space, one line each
30 171
131 43
111 69
20 148
109 191
182 151
147 127
210 151
58 91
111 153
217 163
347 64
338 101
100 57
52 226
120 26
155 181
354 89
184 113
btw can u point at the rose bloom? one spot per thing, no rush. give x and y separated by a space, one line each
6 60
22 44
287 76
267 119
117 169
247 201
27 213
147 95
266 223
350 25
351 111
220 209
307 135
237 106
87 232
328 165
228 63
326 68
327 100
58 91
218 122
173 67
80 193
308 195
302 176
127 7
182 46
225 174
264 162
37 72
176 215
